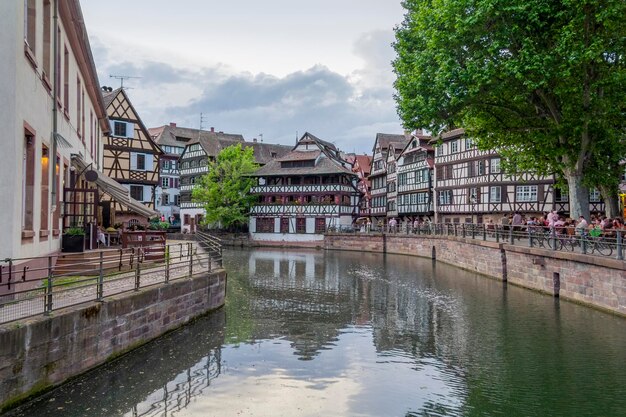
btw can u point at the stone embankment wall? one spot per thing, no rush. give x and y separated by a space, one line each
593 280
41 352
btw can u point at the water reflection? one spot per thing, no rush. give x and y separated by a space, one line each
313 333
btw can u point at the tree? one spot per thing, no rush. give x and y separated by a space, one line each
225 189
543 82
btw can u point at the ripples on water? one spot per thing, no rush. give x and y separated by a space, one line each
308 333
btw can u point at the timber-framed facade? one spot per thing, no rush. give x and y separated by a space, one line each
471 187
415 179
131 158
382 199
304 193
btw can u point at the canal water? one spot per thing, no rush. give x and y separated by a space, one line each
314 333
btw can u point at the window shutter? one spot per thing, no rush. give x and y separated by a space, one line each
540 196
147 193
133 161
130 127
504 195
112 125
470 169
149 162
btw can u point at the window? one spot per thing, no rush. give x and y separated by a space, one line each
562 195
473 195
422 198
300 225
122 129
136 192
594 195
454 146
495 194
47 45
526 193
66 79
320 225
165 199
186 219
439 151
391 187
45 182
284 225
265 225
469 143
30 24
445 197
165 182
141 162
391 205
176 200
79 107
494 166
402 178
480 168
28 180
378 165
391 168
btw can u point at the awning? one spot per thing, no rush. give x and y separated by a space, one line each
116 190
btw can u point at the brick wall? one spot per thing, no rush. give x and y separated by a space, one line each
41 352
592 280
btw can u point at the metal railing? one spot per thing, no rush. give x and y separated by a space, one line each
607 243
40 285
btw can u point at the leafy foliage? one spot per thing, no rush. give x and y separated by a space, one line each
543 82
224 191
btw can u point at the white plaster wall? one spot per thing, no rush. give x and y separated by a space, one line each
10 157
287 237
186 228
26 99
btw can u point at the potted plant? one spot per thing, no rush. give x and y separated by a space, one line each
73 240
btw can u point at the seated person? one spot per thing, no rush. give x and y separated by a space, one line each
101 236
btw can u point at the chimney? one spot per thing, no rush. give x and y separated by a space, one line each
172 124
212 129
254 140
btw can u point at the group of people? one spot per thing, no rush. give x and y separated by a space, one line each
596 226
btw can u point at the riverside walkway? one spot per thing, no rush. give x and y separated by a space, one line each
36 296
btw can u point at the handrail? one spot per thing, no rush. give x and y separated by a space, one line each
607 243
39 285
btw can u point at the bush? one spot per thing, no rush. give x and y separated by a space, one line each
74 231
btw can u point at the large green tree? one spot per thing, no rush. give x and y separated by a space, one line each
225 189
541 81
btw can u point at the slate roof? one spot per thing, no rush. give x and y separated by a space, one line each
108 97
324 166
263 151
386 139
166 135
300 156
327 156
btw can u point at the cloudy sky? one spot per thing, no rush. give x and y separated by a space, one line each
272 68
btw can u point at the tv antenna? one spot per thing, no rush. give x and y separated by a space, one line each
122 78
202 120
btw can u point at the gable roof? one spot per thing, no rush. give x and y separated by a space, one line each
108 98
384 140
329 160
168 134
266 152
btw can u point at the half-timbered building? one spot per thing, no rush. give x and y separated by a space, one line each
304 193
203 147
132 159
415 179
471 187
380 174
172 140
193 164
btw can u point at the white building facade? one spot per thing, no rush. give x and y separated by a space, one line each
51 111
